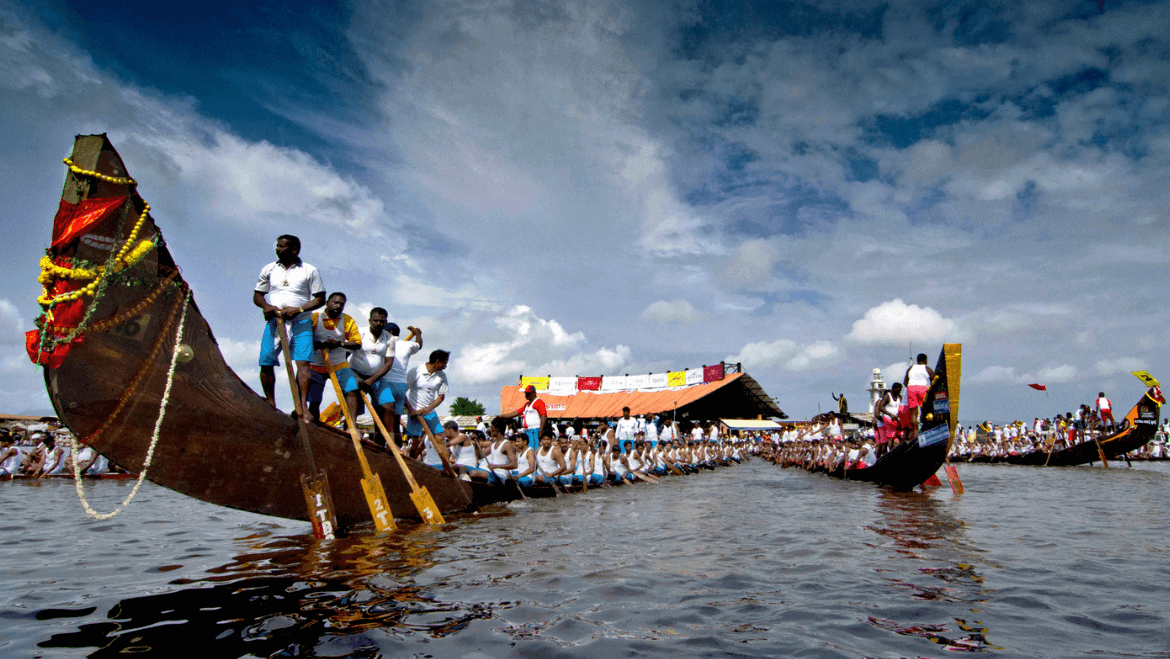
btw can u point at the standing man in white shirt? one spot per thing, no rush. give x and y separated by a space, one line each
652 430
426 388
291 289
369 364
398 357
627 428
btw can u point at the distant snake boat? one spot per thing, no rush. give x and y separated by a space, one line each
911 463
1136 430
115 304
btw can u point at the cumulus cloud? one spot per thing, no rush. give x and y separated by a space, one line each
520 342
750 264
677 311
788 354
1007 375
898 322
1106 367
12 328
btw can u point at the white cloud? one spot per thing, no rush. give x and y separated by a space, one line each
1056 374
677 311
1106 367
788 354
519 342
897 322
750 264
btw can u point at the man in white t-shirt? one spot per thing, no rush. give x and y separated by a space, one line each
398 358
291 289
652 429
426 388
627 429
370 366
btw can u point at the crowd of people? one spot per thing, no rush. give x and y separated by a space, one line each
45 449
575 454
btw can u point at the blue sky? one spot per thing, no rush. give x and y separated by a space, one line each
597 188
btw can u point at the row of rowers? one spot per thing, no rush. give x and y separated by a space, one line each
825 454
501 455
372 361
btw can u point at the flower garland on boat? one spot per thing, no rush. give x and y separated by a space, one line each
44 342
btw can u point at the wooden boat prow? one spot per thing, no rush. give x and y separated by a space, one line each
220 441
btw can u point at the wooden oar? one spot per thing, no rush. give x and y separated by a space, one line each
371 483
556 488
314 484
440 448
1100 452
419 495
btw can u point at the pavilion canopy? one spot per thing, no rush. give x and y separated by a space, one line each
736 395
751 424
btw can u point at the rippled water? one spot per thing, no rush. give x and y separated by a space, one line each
745 561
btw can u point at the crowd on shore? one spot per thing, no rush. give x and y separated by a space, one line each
45 449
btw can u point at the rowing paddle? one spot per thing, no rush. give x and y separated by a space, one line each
418 494
314 484
371 483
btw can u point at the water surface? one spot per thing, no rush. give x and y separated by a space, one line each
749 561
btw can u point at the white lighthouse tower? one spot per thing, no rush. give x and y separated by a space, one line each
877 387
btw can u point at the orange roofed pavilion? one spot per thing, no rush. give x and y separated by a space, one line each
736 395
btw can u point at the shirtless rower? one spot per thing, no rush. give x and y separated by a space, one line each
551 461
9 456
501 458
336 332
293 289
464 451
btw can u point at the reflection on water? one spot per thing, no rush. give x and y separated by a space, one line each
283 595
751 561
923 530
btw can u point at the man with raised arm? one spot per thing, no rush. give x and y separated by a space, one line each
291 289
398 358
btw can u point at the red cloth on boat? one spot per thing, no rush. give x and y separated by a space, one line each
51 359
72 220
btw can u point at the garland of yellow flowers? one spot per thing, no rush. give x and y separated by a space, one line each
51 271
98 175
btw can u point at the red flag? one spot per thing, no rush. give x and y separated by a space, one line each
1038 387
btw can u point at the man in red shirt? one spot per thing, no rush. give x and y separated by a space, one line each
534 414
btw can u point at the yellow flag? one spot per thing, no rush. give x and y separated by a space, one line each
676 378
541 383
1147 378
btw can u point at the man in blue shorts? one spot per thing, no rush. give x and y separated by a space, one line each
291 289
426 388
336 332
370 365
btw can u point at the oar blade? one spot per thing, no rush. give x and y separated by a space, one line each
376 499
320 504
426 506
953 477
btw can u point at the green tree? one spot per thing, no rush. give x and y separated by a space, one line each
464 407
